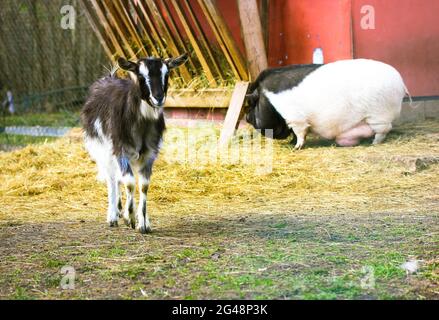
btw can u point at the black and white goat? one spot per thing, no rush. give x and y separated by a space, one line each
124 124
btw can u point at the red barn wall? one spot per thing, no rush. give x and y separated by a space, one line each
406 35
297 27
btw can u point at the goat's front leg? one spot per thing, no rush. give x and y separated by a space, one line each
143 224
130 185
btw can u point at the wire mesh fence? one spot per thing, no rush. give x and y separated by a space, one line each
45 65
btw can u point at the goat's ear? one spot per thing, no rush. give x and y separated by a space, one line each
126 65
176 62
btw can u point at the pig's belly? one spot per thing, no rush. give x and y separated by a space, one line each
346 137
330 125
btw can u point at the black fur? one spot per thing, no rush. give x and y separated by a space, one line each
261 114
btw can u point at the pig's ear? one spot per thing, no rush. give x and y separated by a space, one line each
254 95
252 98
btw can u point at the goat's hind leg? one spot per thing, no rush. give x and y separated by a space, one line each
119 201
112 186
129 182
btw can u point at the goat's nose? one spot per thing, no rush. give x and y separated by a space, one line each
160 99
157 100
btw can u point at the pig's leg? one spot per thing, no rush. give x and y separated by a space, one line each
353 136
381 131
300 130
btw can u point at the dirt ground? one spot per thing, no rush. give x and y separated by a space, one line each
326 223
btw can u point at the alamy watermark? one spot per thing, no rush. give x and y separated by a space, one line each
68 19
367 21
201 148
68 280
367 282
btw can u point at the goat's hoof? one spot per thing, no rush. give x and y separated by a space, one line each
113 223
129 223
144 229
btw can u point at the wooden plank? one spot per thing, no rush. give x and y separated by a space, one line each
144 33
95 26
155 34
194 41
107 27
224 38
233 113
128 21
178 37
209 98
203 39
161 47
170 43
112 19
264 11
253 36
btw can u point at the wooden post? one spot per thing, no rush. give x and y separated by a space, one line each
253 36
233 112
257 61
224 38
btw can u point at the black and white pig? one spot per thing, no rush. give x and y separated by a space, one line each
347 100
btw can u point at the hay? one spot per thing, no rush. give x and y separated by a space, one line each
56 181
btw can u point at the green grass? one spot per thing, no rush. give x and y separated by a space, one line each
57 119
54 263
22 294
22 140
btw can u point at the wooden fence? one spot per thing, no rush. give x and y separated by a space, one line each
38 57
138 28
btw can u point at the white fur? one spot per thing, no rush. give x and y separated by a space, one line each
154 100
101 150
149 112
128 179
143 221
164 70
340 95
144 71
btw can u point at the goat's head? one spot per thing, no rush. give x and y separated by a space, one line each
152 76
